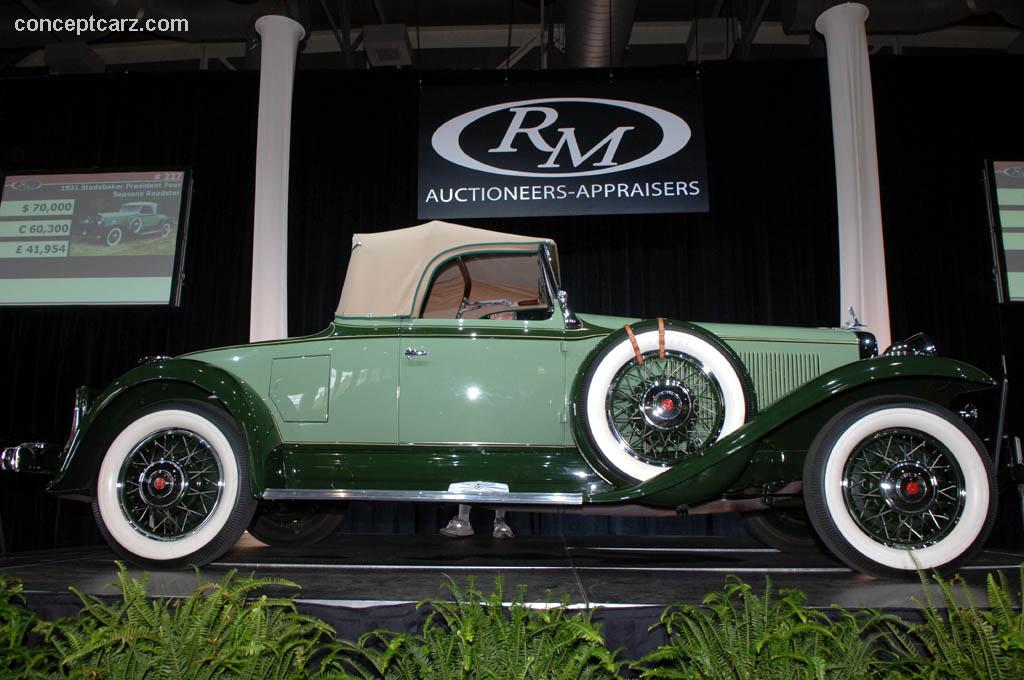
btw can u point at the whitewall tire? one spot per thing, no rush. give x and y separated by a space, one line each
893 486
173 487
643 418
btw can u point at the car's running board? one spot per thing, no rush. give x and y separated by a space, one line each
451 496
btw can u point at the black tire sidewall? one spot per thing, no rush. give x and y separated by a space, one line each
315 527
767 527
817 505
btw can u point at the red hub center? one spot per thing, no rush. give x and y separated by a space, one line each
667 404
913 488
159 483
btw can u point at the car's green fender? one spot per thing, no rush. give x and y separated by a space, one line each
797 417
165 380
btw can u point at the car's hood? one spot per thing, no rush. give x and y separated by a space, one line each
117 213
731 331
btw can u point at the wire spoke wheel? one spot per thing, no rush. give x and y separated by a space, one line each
904 488
664 410
170 484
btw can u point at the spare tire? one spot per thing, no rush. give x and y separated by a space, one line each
641 417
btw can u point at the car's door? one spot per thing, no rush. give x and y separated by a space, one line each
482 376
148 214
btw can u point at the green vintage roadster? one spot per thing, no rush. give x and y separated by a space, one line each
456 371
139 218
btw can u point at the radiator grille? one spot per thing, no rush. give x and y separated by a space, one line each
776 374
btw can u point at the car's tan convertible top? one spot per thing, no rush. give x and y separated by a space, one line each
389 271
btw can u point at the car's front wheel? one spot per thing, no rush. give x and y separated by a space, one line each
896 485
173 487
295 523
788 530
114 236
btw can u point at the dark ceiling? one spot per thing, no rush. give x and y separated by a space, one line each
480 34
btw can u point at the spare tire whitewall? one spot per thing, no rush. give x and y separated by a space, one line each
716 370
173 487
896 486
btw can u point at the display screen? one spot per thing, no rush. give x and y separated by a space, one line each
1008 186
105 238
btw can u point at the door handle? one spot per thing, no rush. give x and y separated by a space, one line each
411 353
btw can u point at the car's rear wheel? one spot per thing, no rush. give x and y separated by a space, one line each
296 522
165 230
173 487
643 416
897 485
114 236
788 530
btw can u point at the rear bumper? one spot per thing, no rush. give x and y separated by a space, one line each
38 457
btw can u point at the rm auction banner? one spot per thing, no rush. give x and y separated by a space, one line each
562 149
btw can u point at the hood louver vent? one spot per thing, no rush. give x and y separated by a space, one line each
776 374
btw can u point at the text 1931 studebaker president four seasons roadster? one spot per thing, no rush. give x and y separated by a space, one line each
455 370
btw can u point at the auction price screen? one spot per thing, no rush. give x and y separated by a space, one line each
107 238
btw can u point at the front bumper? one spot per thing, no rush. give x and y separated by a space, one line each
37 457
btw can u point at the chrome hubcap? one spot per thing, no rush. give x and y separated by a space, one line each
170 484
162 484
908 487
666 404
904 488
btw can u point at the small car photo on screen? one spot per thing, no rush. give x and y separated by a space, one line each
91 238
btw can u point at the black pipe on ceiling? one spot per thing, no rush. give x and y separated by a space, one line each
597 31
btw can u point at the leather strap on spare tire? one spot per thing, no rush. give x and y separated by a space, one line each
661 338
636 346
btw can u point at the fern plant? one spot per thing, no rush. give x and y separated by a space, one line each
220 631
474 636
17 658
740 635
967 642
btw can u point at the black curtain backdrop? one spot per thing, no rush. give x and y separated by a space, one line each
766 253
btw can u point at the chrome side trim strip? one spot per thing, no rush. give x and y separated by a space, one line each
521 498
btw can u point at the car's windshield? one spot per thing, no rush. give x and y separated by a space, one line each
131 207
489 286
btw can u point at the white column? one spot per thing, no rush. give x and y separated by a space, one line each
268 301
861 247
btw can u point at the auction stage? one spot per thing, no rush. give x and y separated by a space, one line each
362 581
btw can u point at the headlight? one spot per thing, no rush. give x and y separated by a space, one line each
917 345
867 344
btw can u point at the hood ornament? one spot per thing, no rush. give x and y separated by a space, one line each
854 323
